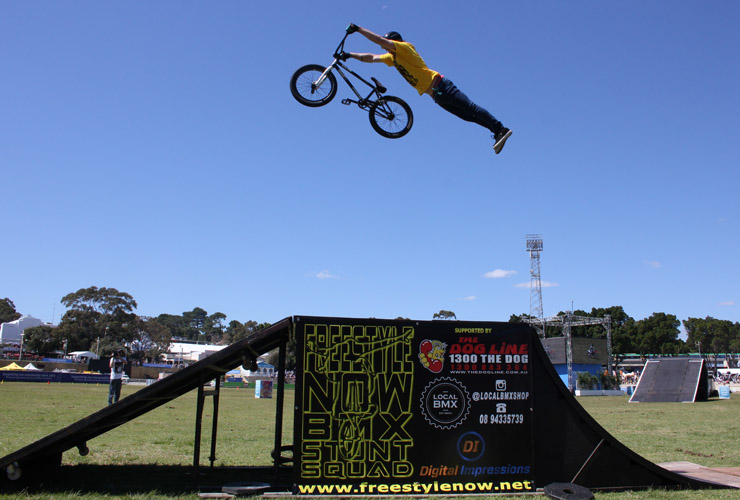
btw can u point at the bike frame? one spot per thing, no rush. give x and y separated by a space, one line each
337 64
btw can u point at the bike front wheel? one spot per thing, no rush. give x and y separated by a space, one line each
304 89
391 117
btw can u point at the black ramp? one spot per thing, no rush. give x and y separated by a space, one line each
476 407
671 380
48 450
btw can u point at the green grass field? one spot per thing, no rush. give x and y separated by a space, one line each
153 454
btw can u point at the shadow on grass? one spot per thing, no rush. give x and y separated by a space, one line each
144 479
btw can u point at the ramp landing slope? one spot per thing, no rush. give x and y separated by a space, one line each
672 380
570 446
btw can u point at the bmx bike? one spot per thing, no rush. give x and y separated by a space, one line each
315 85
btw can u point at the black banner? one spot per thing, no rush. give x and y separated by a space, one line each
408 407
42 376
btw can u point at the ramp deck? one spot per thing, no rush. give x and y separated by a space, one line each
725 476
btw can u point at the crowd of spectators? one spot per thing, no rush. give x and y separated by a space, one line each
17 356
629 378
727 377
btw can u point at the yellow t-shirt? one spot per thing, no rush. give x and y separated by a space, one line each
409 63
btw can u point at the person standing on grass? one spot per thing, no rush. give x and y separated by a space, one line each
117 362
412 67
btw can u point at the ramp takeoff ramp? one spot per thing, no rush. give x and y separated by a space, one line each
48 450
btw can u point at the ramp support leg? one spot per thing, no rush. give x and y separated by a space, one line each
277 452
588 460
214 424
202 394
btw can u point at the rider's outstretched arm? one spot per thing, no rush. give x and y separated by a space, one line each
375 38
368 58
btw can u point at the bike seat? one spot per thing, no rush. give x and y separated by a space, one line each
379 85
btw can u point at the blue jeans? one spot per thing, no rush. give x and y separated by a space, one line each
451 99
114 391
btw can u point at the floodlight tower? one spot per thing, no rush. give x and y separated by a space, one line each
534 247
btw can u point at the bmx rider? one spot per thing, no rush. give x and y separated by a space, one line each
412 67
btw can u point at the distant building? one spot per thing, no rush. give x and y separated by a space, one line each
189 352
10 332
185 353
264 369
81 356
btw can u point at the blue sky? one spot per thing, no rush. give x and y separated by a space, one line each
155 147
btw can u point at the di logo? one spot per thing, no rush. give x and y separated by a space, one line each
471 446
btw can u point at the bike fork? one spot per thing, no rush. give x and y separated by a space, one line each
322 78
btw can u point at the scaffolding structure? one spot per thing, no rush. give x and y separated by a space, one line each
534 247
565 322
568 321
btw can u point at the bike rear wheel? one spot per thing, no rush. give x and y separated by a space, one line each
305 91
391 117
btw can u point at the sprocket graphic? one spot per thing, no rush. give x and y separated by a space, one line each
440 419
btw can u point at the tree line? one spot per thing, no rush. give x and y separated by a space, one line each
102 320
657 334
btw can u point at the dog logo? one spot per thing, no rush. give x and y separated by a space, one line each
432 355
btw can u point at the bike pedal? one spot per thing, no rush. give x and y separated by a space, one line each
346 102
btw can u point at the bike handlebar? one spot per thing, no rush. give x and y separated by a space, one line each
340 48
